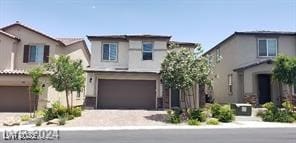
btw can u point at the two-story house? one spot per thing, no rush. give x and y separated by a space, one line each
243 66
21 49
124 72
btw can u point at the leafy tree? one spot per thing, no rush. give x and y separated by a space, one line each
66 75
285 70
36 88
182 69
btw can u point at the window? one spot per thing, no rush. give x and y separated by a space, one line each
209 59
267 47
230 84
218 55
36 53
147 50
110 52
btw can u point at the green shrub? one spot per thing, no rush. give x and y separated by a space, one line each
177 110
193 122
222 113
38 122
55 111
173 117
197 114
213 121
274 114
62 120
70 117
25 118
39 113
76 112
215 110
225 114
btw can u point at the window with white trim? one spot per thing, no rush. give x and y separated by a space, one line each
267 47
147 50
36 53
230 87
109 52
218 55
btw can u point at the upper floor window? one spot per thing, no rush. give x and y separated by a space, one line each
147 50
218 55
110 51
210 59
230 88
36 53
267 47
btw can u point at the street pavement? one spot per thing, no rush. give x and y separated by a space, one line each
236 135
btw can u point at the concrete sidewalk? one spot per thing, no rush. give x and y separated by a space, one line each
233 125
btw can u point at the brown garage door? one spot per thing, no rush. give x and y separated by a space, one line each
126 94
14 99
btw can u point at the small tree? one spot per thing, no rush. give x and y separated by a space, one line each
36 88
285 71
181 69
66 75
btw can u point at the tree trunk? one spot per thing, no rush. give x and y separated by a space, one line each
71 99
194 97
202 95
67 99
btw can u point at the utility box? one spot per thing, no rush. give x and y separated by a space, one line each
241 109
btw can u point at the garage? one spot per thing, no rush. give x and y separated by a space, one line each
14 99
126 94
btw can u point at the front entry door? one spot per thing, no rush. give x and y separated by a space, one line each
175 98
264 88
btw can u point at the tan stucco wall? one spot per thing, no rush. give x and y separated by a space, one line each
97 59
136 61
8 48
6 52
237 51
223 69
29 37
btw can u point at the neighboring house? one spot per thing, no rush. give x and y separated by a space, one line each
243 66
124 72
21 49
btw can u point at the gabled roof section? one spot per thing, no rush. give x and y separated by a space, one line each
256 33
70 41
188 44
9 35
126 37
17 23
252 64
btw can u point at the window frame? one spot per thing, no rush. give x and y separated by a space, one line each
102 52
218 55
36 54
267 47
152 50
230 84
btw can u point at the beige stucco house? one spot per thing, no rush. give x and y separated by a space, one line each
124 72
243 66
22 48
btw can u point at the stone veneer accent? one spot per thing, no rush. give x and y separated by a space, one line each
251 99
90 102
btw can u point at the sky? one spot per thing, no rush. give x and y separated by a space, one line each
204 21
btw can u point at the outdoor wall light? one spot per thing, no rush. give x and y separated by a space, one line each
90 79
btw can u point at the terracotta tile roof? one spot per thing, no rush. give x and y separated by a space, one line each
13 72
9 35
69 41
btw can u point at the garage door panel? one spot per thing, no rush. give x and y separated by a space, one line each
126 94
14 99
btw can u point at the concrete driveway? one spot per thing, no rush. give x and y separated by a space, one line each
96 118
